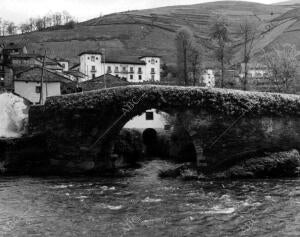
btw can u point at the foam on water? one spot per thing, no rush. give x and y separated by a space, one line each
13 115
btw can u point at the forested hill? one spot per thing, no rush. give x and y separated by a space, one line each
153 30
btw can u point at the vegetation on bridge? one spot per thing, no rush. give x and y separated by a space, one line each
222 101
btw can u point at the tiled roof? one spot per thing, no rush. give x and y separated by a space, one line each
125 60
150 56
98 82
89 52
26 56
34 75
13 46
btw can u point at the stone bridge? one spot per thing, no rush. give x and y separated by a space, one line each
224 125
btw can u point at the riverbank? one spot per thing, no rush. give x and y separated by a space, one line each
273 165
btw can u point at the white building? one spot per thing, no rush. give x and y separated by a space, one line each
145 68
27 84
255 70
150 119
208 78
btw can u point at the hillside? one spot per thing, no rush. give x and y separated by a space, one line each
153 30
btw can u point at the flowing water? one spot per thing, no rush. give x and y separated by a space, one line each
13 115
144 205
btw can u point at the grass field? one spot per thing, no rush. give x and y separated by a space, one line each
153 30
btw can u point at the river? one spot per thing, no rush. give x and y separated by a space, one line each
145 205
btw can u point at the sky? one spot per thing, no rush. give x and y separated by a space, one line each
20 10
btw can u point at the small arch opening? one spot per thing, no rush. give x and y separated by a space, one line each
154 134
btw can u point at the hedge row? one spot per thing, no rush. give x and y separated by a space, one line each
223 101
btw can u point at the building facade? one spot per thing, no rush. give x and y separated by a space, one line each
145 68
28 84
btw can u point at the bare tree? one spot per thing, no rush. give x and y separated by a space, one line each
248 32
4 26
11 28
184 40
66 17
39 24
194 62
282 64
220 38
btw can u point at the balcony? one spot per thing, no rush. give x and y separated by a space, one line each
93 70
152 72
140 72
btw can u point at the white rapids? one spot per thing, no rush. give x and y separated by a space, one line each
13 115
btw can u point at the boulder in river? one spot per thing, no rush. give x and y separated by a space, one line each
273 165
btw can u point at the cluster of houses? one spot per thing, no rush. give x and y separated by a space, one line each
23 72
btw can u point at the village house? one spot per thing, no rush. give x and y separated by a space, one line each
208 78
28 84
64 64
255 70
144 68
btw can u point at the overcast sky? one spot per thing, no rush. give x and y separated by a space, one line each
21 10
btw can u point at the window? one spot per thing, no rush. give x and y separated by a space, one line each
152 61
93 68
131 77
152 70
38 89
93 76
93 58
88 58
109 69
116 69
149 116
96 58
140 77
140 70
131 69
124 69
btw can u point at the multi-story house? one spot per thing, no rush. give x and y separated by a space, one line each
145 68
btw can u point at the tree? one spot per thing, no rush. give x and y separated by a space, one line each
184 39
66 17
11 28
25 28
4 26
39 24
248 32
57 19
282 64
220 39
194 62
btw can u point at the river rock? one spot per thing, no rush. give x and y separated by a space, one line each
275 165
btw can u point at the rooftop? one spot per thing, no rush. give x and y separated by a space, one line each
13 46
33 74
99 83
125 60
90 52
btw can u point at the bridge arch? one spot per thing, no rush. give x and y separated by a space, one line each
253 122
